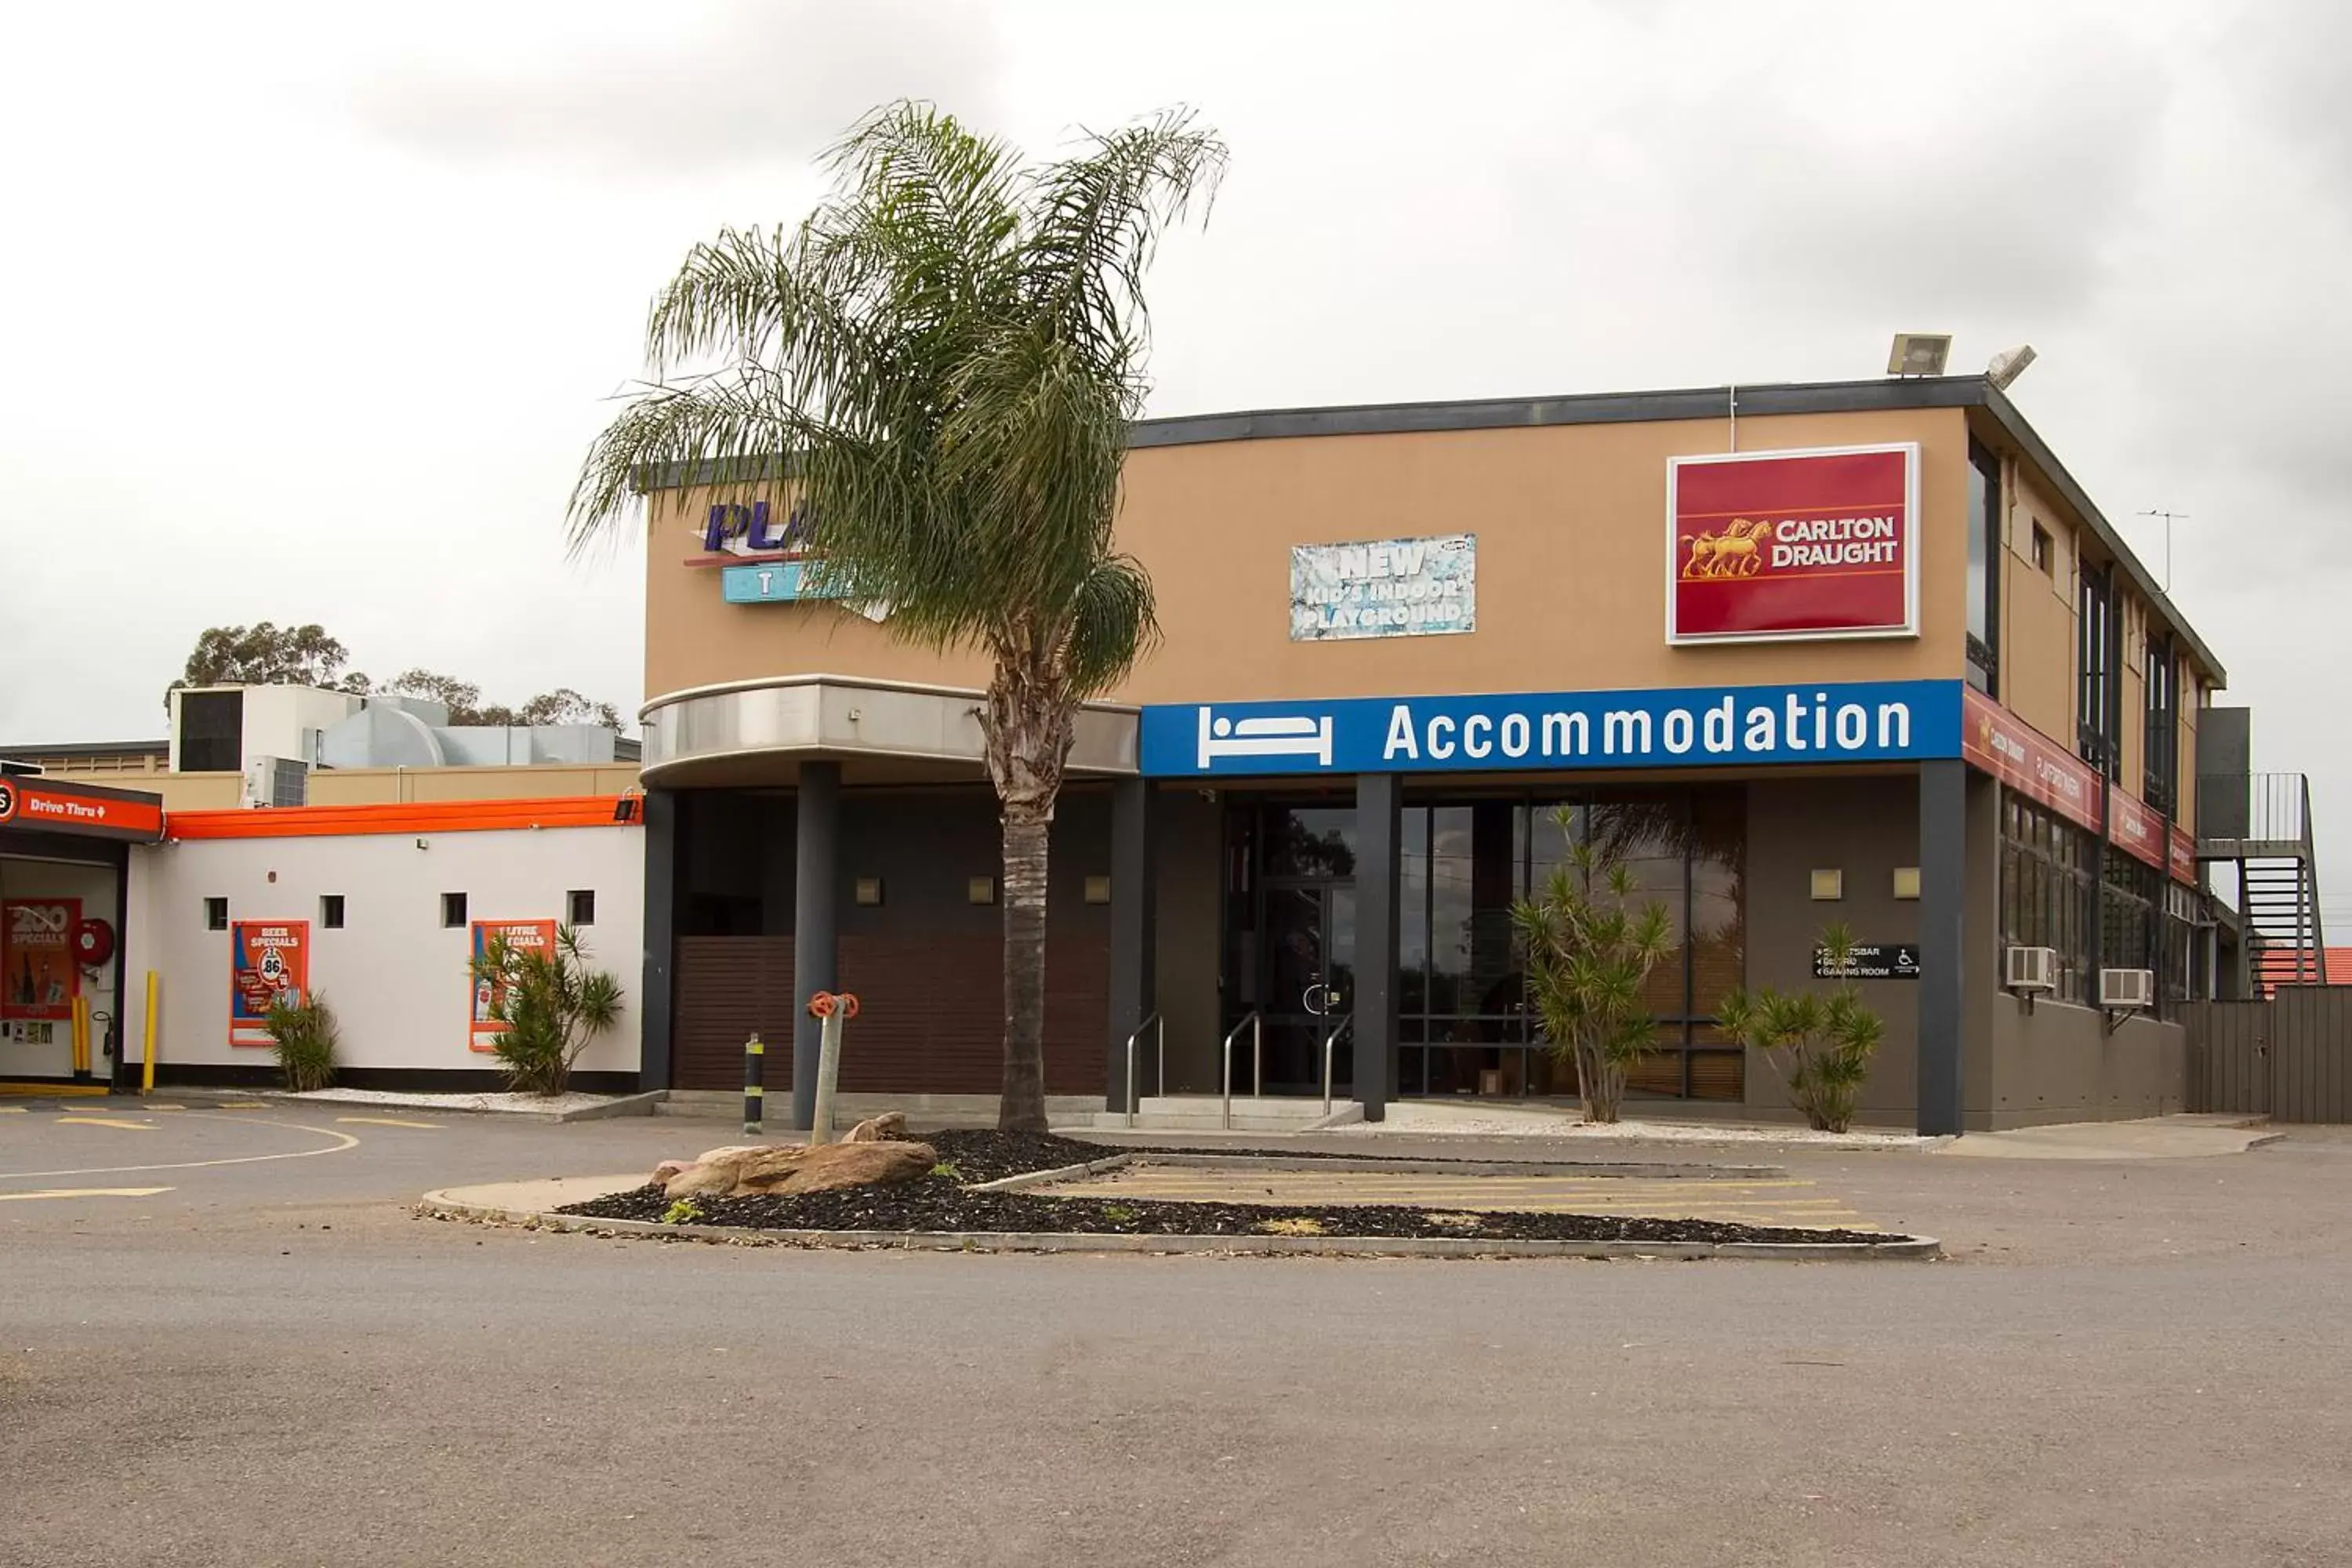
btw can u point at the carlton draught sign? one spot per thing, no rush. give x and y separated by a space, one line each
1797 544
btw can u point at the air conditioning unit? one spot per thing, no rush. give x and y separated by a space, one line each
2123 989
275 781
2031 969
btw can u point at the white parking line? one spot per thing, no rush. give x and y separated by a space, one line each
85 1192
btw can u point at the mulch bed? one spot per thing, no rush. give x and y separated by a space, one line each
943 1203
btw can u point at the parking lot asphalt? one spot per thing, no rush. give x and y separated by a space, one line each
235 1345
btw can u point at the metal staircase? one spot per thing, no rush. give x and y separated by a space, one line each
2261 823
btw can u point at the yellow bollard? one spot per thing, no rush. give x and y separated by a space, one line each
147 1042
78 1037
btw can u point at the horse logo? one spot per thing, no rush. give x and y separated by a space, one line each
1730 551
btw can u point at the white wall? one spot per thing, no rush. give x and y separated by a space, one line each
395 977
94 885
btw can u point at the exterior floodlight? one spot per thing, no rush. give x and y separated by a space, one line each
1919 354
2008 365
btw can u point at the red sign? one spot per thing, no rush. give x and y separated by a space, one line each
489 991
2021 756
268 962
1996 741
80 808
2135 830
38 976
1793 544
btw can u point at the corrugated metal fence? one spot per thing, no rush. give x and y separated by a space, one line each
2289 1059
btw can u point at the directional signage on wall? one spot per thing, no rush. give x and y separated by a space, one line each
1871 960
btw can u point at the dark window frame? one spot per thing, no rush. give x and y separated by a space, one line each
452 912
1985 551
2099 648
575 902
217 914
2160 746
332 911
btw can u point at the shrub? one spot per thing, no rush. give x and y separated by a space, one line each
303 1038
1589 953
1820 1045
553 1005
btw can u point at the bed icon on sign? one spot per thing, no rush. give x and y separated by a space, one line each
1289 736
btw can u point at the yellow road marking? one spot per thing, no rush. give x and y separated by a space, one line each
342 1141
390 1121
86 1193
241 1105
105 1121
13 1110
167 1107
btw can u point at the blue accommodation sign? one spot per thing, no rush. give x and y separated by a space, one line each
774 583
1854 722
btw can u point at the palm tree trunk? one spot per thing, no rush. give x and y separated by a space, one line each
1027 830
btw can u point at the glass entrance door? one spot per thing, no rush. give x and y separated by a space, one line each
1309 982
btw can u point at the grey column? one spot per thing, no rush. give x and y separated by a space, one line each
664 822
1943 978
1380 799
816 813
1134 978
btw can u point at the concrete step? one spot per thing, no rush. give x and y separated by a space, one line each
1204 1113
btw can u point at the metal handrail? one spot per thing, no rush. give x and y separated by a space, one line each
1255 1024
1330 1041
1154 1021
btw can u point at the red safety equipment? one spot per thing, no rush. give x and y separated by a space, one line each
821 1004
93 943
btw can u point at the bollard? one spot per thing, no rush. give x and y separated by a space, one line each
147 1051
832 1010
754 1055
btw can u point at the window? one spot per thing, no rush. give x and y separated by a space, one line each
217 914
330 911
1984 577
580 906
2045 889
2162 750
453 911
2102 671
1464 1023
2042 550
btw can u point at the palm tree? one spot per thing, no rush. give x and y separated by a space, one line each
944 359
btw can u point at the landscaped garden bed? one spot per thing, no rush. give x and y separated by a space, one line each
945 1200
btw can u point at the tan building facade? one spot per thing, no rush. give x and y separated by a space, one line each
1859 652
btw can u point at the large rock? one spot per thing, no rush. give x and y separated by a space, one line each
878 1129
743 1170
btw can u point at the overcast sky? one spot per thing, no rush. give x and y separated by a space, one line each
311 309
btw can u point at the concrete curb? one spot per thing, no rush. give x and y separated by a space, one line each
1058 1173
1380 1165
446 1204
623 1105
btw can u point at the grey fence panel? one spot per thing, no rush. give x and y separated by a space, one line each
2289 1059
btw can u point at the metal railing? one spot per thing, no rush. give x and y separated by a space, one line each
1154 1022
2272 808
1331 1043
1255 1024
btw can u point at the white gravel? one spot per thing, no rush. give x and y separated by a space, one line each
536 1104
1418 1118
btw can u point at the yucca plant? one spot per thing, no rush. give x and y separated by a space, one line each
303 1038
1588 951
552 1005
1820 1043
